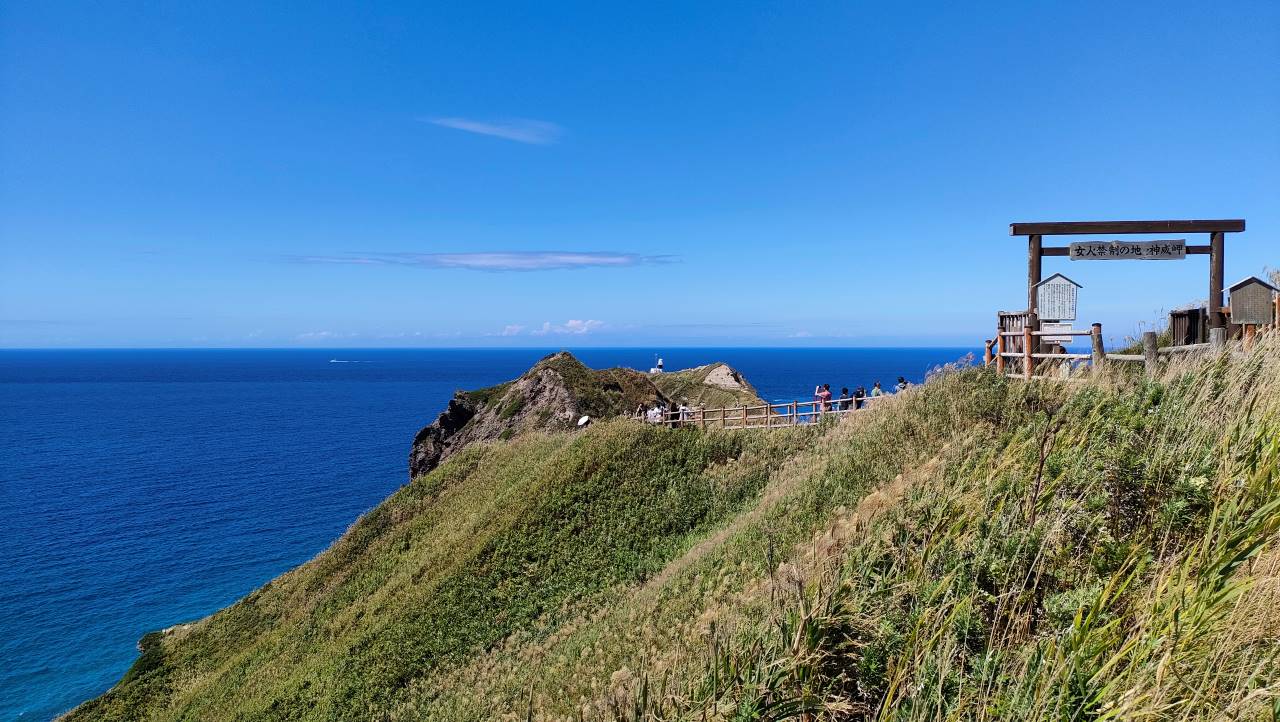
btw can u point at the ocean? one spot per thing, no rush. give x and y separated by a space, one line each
144 488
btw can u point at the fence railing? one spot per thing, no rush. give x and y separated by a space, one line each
767 416
1028 359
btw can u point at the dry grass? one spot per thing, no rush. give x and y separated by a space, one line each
975 549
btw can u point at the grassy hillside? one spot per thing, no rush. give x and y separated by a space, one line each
976 548
697 387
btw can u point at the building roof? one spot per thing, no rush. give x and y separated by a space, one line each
1251 279
1058 275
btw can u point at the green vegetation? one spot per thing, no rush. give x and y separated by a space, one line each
604 392
692 387
977 548
487 395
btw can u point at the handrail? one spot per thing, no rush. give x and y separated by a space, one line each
1001 354
767 415
1019 334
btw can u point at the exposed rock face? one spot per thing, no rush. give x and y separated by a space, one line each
433 442
553 395
712 386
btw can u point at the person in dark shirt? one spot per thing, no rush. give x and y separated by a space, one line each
858 396
844 399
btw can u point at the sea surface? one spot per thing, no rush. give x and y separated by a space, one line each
145 488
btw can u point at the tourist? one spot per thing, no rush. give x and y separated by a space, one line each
876 390
844 399
902 384
823 396
858 397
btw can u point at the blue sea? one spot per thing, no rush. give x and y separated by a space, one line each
145 488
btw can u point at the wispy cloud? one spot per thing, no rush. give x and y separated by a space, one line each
513 329
521 130
495 261
572 327
322 336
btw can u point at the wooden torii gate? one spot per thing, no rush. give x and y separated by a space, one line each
1036 251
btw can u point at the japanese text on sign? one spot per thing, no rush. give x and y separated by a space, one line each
1129 250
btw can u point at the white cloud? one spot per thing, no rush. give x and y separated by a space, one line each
572 327
521 130
495 260
322 335
512 329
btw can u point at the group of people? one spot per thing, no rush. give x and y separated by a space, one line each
823 399
663 412
846 401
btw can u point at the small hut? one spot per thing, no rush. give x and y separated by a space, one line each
1253 302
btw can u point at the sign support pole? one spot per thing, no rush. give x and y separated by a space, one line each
1035 253
1216 319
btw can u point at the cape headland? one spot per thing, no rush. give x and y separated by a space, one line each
557 392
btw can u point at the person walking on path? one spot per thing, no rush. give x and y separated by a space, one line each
843 405
859 397
876 390
902 384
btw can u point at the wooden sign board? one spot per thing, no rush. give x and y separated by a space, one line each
1063 328
1172 250
1056 298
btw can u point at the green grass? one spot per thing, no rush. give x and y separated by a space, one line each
689 386
974 549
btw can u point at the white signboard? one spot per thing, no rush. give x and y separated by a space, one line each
1056 328
1173 250
1056 298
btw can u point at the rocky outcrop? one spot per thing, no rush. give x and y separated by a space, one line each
712 386
553 395
557 392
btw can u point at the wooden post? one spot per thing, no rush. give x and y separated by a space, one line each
1034 251
1035 266
986 352
1217 337
1027 350
1000 352
1250 332
768 415
1216 318
744 416
1099 354
1150 354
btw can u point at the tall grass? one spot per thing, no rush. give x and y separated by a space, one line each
977 548
1113 556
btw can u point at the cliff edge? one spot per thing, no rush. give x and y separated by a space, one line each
558 391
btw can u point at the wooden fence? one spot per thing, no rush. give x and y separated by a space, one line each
1016 354
767 416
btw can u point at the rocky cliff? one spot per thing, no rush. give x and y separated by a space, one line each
556 393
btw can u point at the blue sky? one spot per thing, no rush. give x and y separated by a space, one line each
571 174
